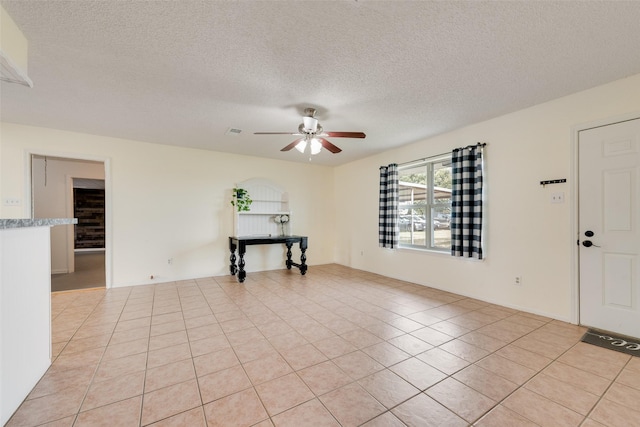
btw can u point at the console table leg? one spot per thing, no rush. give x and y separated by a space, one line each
232 259
232 266
289 255
303 259
241 273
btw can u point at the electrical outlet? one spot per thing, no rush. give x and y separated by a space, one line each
517 281
12 201
170 261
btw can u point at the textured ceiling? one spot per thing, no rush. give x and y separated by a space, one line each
183 72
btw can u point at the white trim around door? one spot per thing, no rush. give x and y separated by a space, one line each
574 223
107 197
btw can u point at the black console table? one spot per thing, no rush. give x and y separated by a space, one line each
241 243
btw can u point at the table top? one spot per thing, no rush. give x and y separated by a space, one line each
267 239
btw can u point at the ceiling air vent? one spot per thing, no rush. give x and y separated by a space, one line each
233 131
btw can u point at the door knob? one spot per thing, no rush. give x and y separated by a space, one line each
588 233
588 244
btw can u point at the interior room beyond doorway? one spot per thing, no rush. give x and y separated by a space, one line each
64 187
89 273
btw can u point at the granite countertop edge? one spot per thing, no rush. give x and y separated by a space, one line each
35 222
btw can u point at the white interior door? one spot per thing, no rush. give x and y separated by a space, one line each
609 194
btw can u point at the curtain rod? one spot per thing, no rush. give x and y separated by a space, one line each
479 144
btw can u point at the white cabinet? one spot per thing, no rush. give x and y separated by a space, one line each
269 201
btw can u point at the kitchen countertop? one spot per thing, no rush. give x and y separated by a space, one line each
35 222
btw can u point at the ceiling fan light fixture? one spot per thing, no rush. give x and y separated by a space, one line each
310 124
315 146
301 146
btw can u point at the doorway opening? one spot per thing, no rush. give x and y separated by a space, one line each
67 187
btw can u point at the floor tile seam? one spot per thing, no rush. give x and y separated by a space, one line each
225 334
480 391
528 334
285 410
75 415
476 329
489 353
602 397
501 401
424 392
197 378
365 390
494 373
598 398
211 308
472 422
81 411
27 398
419 392
92 379
609 352
522 386
585 371
88 387
54 359
627 366
315 397
140 423
505 343
146 367
75 329
584 417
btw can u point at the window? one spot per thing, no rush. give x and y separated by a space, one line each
424 207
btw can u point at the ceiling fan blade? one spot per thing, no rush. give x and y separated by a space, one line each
293 144
329 146
276 133
346 134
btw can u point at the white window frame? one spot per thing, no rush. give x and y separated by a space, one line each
428 206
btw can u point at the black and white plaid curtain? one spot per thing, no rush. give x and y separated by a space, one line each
466 202
388 211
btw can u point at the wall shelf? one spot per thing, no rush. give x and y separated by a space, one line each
269 200
553 181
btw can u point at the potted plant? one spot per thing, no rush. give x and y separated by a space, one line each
241 199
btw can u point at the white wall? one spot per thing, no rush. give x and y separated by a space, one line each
526 235
53 198
171 202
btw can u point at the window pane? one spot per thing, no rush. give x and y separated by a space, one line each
441 227
441 211
412 205
425 205
412 226
412 186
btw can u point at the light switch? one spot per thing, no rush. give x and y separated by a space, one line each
557 197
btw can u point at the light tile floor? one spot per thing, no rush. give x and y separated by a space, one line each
337 347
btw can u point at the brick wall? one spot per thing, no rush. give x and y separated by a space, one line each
89 209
